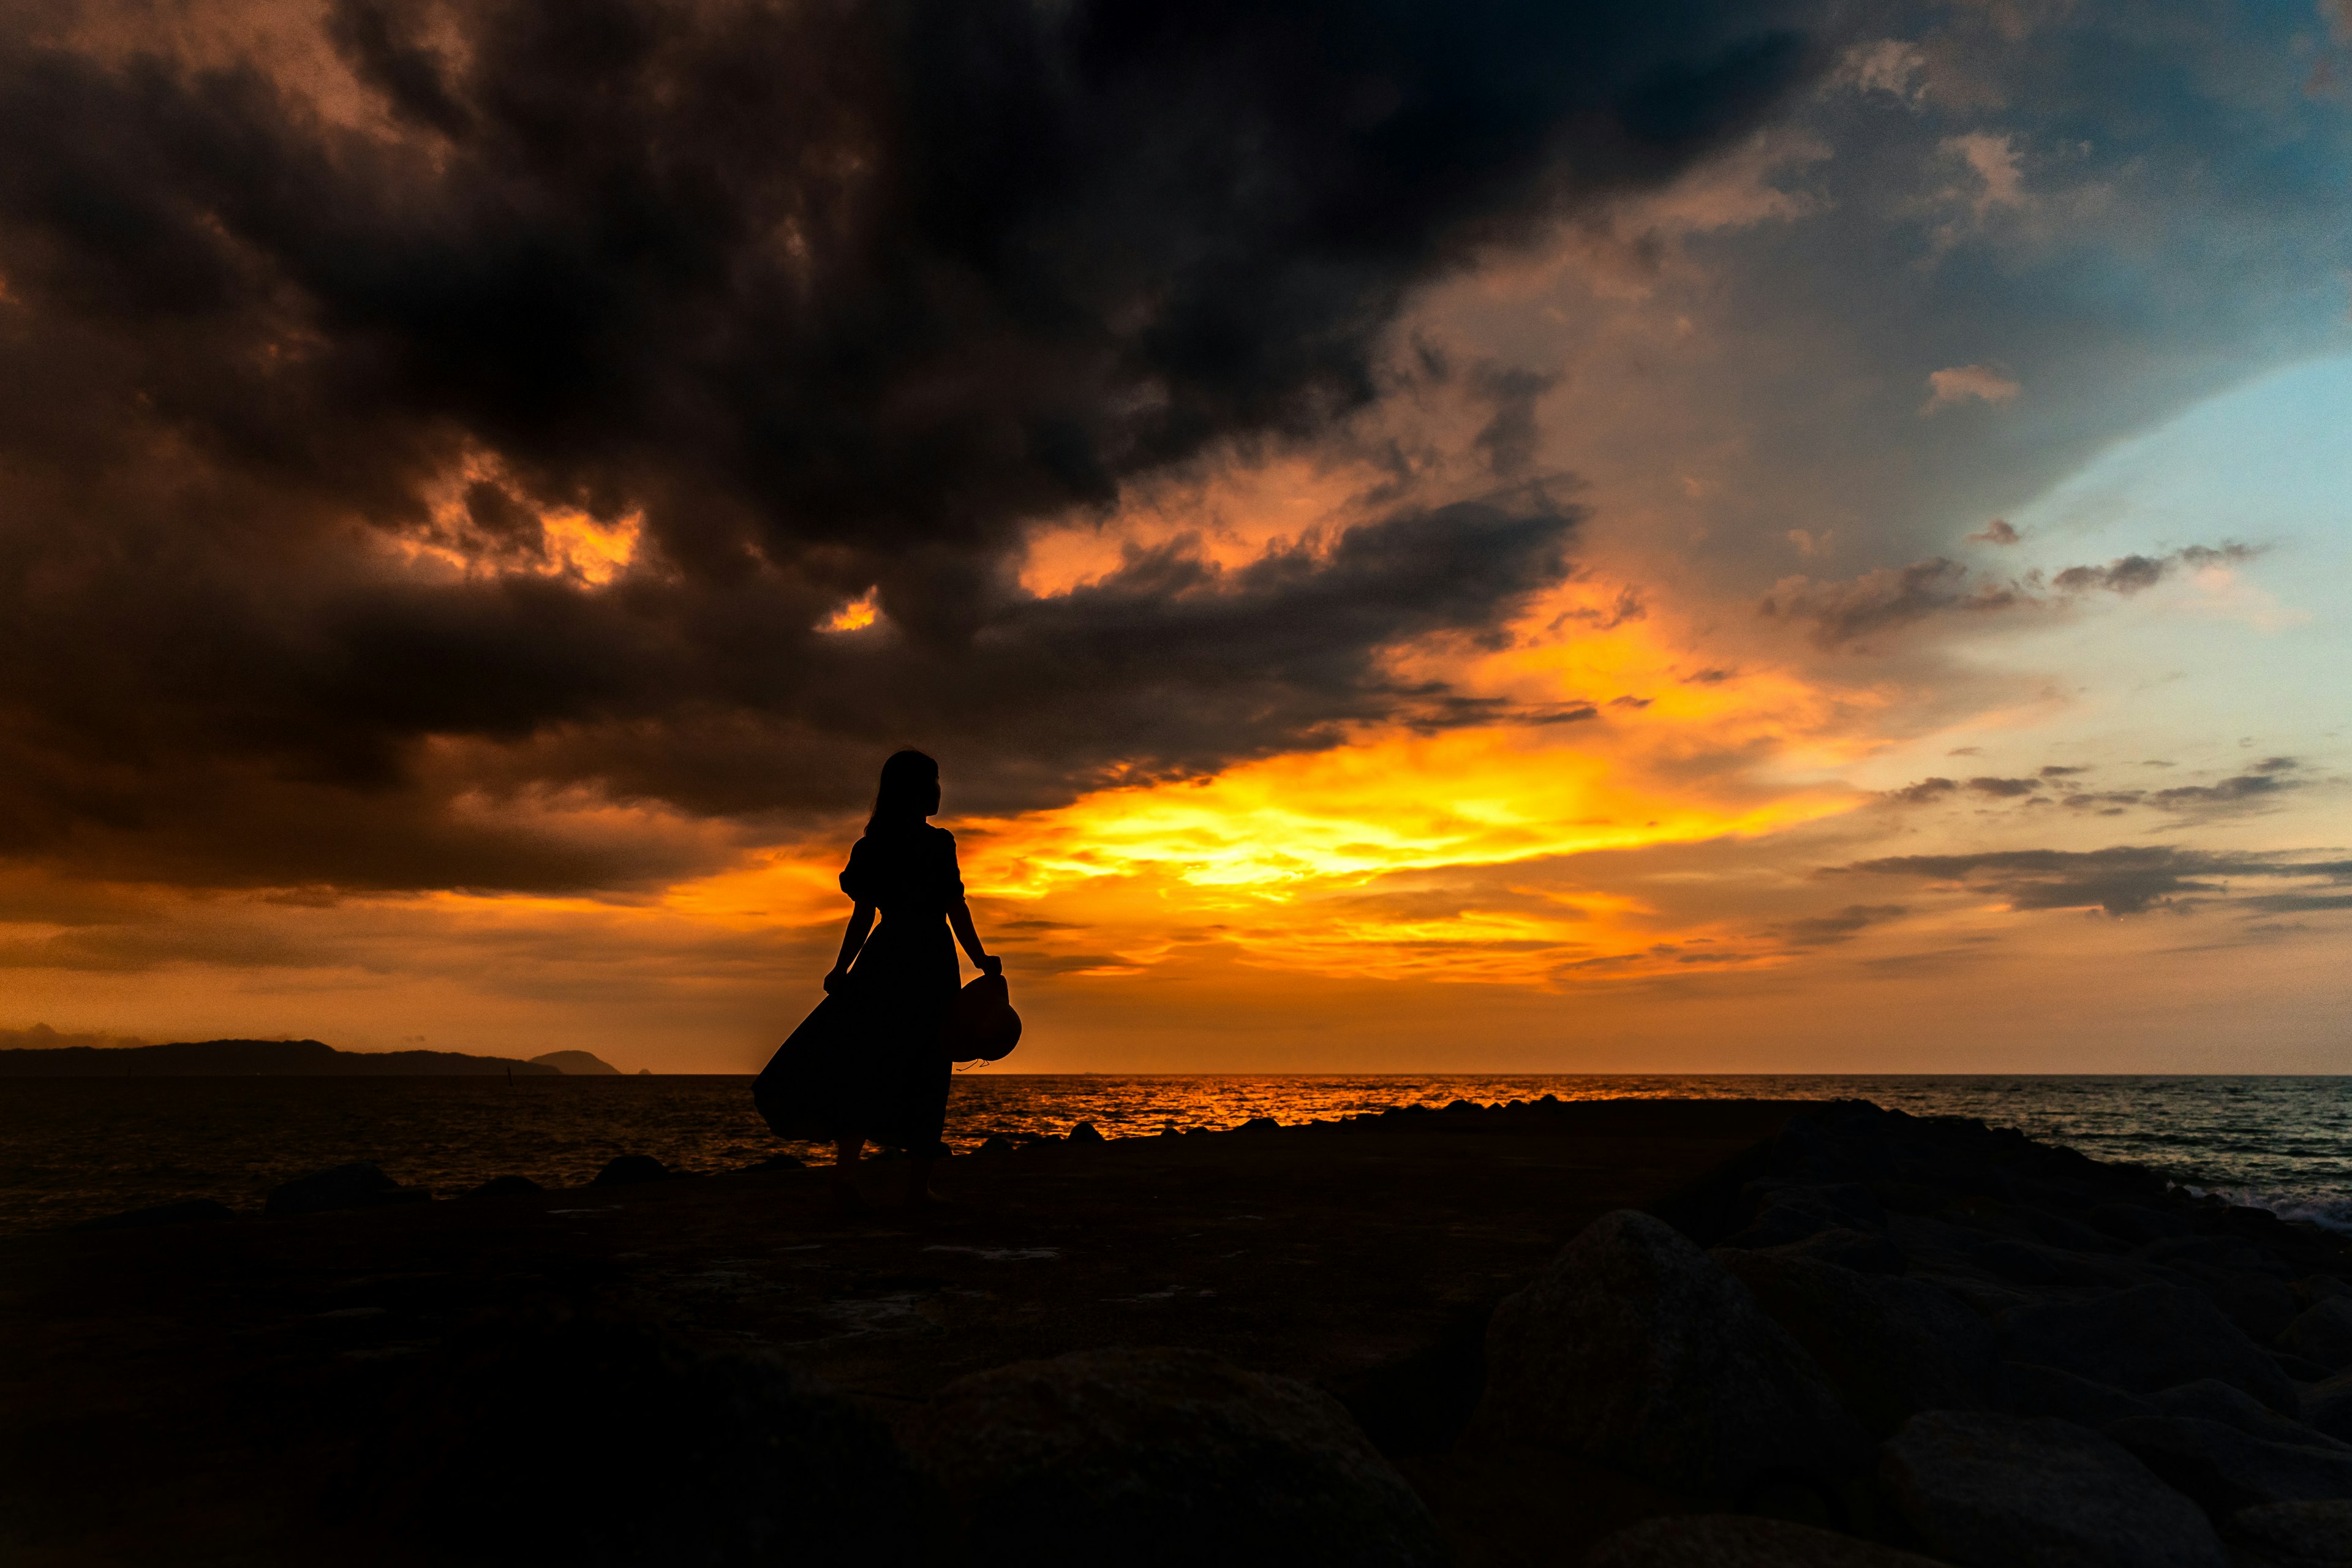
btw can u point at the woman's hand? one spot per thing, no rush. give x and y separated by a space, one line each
834 981
990 963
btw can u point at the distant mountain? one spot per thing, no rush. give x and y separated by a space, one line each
259 1058
578 1064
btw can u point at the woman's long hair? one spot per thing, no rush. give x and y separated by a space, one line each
905 797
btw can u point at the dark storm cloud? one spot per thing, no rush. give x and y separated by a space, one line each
2242 790
1877 601
831 297
2129 574
1922 793
1509 438
2261 786
2127 879
1824 930
1840 614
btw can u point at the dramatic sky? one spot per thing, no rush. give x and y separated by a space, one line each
1490 534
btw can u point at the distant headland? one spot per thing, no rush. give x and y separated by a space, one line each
281 1059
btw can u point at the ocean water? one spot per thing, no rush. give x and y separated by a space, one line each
74 1148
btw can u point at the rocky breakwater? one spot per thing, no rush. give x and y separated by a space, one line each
1871 1341
1978 1349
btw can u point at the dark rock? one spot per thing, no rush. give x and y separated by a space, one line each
2259 1303
2143 1338
2299 1534
1421 1403
2323 1333
2031 1390
2038 1264
2209 1399
1804 1148
1782 1211
2213 1252
2057 1230
1983 1297
1858 1250
2327 1407
1912 1197
2226 1469
2136 1223
998 1143
191 1211
779 1163
2010 1491
1891 1347
1740 1540
358 1185
631 1170
2320 1287
2299 1370
1635 1348
505 1187
1261 1124
607 1445
1086 1133
1464 1105
1164 1456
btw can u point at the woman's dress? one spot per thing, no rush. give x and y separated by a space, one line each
870 1061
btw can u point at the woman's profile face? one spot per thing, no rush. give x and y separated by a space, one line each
932 799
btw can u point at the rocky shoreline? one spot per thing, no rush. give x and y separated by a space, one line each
1876 1340
1871 1339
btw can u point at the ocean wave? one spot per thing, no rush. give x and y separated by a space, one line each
2330 1211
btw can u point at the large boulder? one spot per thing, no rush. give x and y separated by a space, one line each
1891 1347
2143 1338
1164 1456
2327 1407
1740 1540
2137 1223
2030 1390
358 1185
1635 1348
2209 1399
2043 1265
604 1443
1862 1251
630 1170
2262 1304
2298 1534
2010 1491
2323 1333
2226 1469
1782 1210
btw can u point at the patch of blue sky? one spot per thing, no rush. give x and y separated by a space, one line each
2214 669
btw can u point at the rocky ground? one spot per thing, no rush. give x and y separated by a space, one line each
1636 1334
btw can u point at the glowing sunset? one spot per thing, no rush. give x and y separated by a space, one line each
1650 615
1322 783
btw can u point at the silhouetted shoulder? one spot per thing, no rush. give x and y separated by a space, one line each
908 868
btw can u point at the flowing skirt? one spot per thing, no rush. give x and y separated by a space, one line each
869 1061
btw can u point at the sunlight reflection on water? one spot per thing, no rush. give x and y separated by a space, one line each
72 1148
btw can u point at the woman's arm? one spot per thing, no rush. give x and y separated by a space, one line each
959 917
861 921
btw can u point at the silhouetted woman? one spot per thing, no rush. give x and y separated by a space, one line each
900 980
